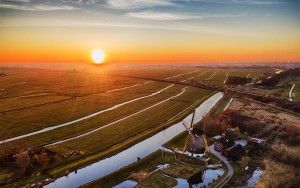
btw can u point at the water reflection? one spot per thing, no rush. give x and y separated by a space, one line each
207 178
126 184
253 180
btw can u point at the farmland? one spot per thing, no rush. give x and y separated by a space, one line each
96 111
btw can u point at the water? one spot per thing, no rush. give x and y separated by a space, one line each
208 177
253 180
241 142
126 184
128 156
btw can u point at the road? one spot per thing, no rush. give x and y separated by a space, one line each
228 165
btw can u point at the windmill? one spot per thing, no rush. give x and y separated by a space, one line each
196 141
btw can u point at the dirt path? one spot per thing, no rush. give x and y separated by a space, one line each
181 74
226 78
211 76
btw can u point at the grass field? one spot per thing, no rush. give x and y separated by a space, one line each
217 76
50 115
38 99
296 92
35 113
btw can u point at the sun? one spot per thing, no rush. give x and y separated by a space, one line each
98 56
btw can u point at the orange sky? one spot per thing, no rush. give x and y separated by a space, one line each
150 32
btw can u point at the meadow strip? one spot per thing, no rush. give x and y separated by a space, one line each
83 118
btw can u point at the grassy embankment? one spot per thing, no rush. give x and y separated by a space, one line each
157 180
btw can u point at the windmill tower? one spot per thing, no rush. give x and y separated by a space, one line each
196 141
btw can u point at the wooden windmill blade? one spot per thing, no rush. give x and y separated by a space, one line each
192 121
186 126
204 141
187 141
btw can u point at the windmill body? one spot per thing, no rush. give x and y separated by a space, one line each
196 141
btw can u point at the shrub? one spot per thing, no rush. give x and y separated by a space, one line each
277 174
213 126
286 154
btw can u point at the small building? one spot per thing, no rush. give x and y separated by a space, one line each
222 142
235 152
257 142
232 133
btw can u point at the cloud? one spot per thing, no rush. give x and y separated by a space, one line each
260 2
254 2
15 1
163 16
25 5
82 2
159 16
137 4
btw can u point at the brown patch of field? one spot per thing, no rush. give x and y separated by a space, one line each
264 113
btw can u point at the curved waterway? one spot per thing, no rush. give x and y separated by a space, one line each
142 149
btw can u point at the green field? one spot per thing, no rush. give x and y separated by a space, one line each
296 92
35 99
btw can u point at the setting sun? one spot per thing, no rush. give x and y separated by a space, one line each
98 56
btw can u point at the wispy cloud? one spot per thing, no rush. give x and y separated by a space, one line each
83 2
164 16
39 7
28 5
262 2
136 4
14 1
255 2
159 16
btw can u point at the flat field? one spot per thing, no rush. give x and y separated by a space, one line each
97 111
